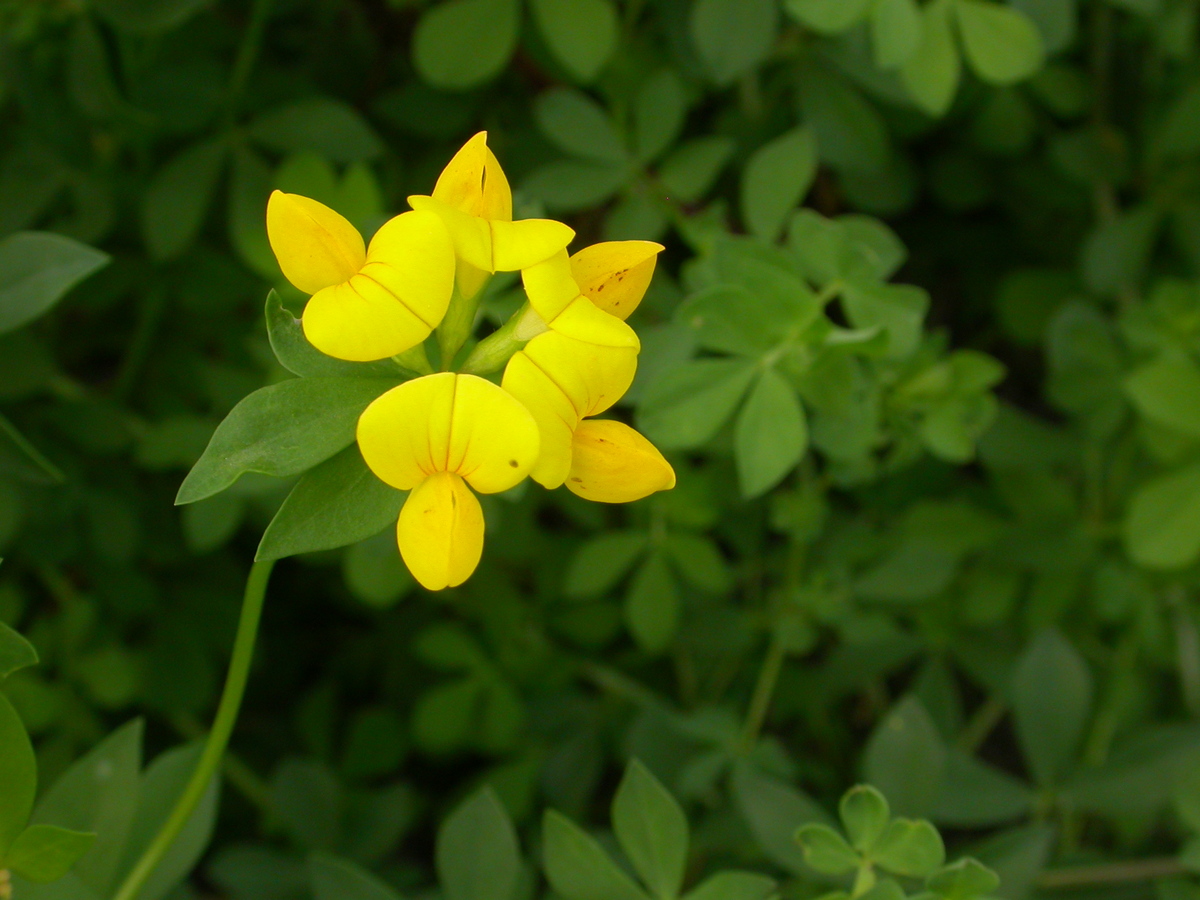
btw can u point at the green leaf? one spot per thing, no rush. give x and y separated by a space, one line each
865 814
18 776
849 131
931 73
852 247
895 31
339 879
15 652
463 43
576 866
45 853
579 125
281 430
733 36
771 435
698 561
825 850
827 16
162 784
689 171
652 606
652 830
963 880
686 406
912 848
570 185
734 886
773 810
1052 699
178 197
1002 44
899 309
906 759
477 853
249 188
602 562
21 459
775 180
658 114
299 357
308 801
37 269
1055 20
99 793
581 34
1165 390
1162 525
373 570
331 128
978 795
334 504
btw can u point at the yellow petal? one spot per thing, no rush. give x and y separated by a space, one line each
582 321
360 321
471 235
493 438
593 377
497 195
315 246
449 423
404 435
550 285
615 274
612 463
440 532
474 183
412 256
519 245
553 412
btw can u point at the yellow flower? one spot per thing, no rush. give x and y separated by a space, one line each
612 277
474 200
429 436
367 303
562 380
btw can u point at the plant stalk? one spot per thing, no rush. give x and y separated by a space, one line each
764 690
218 738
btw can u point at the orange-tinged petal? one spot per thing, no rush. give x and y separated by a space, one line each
612 463
440 532
412 256
519 245
582 321
316 247
615 274
404 435
550 285
553 412
360 321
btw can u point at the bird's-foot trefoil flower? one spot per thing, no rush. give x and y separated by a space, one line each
367 303
473 198
433 437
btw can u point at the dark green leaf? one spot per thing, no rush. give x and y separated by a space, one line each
45 853
733 36
1052 698
652 830
652 605
462 43
602 562
734 886
579 125
36 269
323 125
581 34
1162 525
770 436
15 652
339 879
576 866
906 758
336 503
299 357
686 406
18 776
178 197
477 853
281 430
774 810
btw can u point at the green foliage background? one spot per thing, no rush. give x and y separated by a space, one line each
924 349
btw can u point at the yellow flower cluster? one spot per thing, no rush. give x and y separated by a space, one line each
568 354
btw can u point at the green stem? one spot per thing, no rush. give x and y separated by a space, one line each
985 719
247 56
497 348
1112 873
415 359
218 738
764 690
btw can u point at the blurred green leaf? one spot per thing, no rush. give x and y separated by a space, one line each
332 128
1052 698
1001 43
178 197
576 866
733 36
477 853
15 652
340 879
36 270
652 605
582 34
45 853
462 43
828 16
18 776
775 180
932 72
652 830
770 436
579 125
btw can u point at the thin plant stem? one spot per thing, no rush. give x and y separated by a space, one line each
218 738
985 719
764 690
1111 873
247 56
